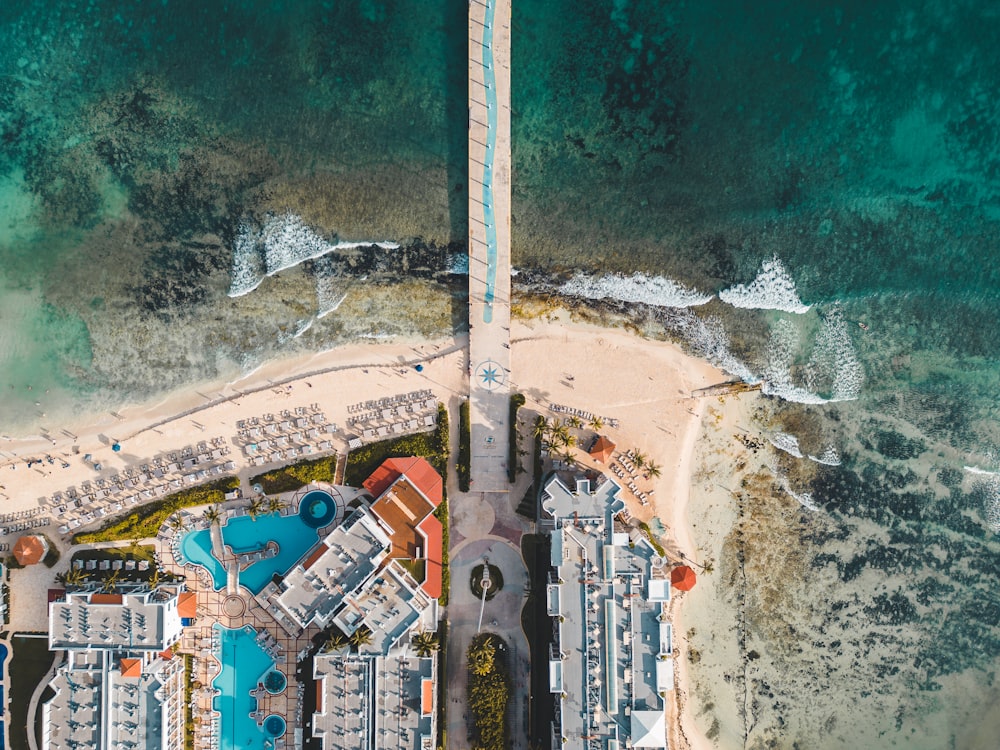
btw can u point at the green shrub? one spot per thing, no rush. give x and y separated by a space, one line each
145 521
644 527
489 692
462 466
290 478
513 462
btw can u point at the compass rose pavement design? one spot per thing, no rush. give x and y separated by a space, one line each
490 375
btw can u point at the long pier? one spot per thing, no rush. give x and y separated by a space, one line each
489 241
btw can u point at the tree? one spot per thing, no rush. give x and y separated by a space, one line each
72 577
177 522
111 581
482 655
212 514
639 460
361 637
596 423
425 643
275 505
335 642
575 422
569 457
255 508
541 427
155 578
653 469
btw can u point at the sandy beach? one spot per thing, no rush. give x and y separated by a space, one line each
645 385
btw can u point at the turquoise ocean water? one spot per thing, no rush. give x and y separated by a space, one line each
805 193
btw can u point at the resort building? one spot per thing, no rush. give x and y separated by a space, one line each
120 687
612 660
367 701
365 570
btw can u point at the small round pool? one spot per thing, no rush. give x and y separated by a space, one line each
274 726
317 509
274 682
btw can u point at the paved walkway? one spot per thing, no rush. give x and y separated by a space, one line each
483 522
489 240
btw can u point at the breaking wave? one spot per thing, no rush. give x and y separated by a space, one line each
331 287
834 363
639 287
282 242
773 289
829 457
787 443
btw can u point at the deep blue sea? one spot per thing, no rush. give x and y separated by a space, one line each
805 193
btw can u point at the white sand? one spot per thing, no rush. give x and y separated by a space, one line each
646 385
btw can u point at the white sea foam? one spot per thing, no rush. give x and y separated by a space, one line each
639 287
459 265
281 243
834 363
331 288
981 472
709 339
773 289
787 443
829 457
248 262
805 499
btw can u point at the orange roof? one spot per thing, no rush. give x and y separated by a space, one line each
682 578
420 473
30 549
187 604
602 449
167 654
426 697
105 598
321 548
431 528
131 668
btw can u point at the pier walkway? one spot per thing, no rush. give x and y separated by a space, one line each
483 523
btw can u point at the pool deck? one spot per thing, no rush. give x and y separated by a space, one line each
234 611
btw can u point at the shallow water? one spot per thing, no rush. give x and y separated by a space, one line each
754 183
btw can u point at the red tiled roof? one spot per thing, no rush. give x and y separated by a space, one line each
105 598
167 655
430 527
187 605
131 668
420 473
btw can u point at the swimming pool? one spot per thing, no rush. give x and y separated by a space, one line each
295 535
244 663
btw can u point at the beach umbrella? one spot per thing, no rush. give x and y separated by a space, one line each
682 578
116 447
602 450
419 368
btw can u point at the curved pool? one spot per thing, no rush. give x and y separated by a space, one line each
274 726
317 509
275 682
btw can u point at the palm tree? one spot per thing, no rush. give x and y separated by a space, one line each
177 522
541 427
255 508
639 460
575 422
155 578
425 643
335 642
569 457
482 656
653 470
111 581
275 505
596 423
212 514
361 637
72 577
